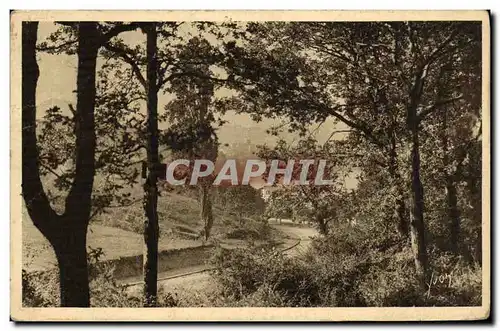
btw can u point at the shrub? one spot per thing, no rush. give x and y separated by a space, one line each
348 268
389 282
104 290
250 229
455 282
40 289
264 273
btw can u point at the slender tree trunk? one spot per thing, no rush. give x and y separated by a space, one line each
417 225
322 225
151 227
206 208
452 213
67 232
401 215
37 202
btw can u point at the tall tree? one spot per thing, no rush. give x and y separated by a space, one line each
453 136
193 119
66 232
380 79
168 59
151 227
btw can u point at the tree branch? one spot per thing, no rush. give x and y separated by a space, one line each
426 111
37 203
56 47
193 74
116 30
361 127
435 53
56 174
334 132
128 59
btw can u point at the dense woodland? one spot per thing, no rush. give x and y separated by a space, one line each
405 100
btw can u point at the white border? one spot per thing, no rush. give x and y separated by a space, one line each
186 4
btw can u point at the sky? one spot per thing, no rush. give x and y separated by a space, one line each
57 84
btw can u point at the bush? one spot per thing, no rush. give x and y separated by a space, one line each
242 233
250 229
455 282
348 268
104 290
267 277
40 289
264 273
389 282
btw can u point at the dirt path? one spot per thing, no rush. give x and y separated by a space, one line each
194 282
303 234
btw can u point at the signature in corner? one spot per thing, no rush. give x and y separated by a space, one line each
438 279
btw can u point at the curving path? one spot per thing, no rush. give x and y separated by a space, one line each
197 278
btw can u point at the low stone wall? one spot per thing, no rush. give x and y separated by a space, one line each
131 266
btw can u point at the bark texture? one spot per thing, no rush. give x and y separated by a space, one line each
151 227
417 224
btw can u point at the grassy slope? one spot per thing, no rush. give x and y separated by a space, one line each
179 217
37 254
118 232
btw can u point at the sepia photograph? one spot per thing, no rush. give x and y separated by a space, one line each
233 165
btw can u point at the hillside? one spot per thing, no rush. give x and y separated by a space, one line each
119 231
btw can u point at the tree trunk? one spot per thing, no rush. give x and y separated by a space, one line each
206 209
417 225
151 227
66 233
71 256
322 225
79 202
37 202
452 213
